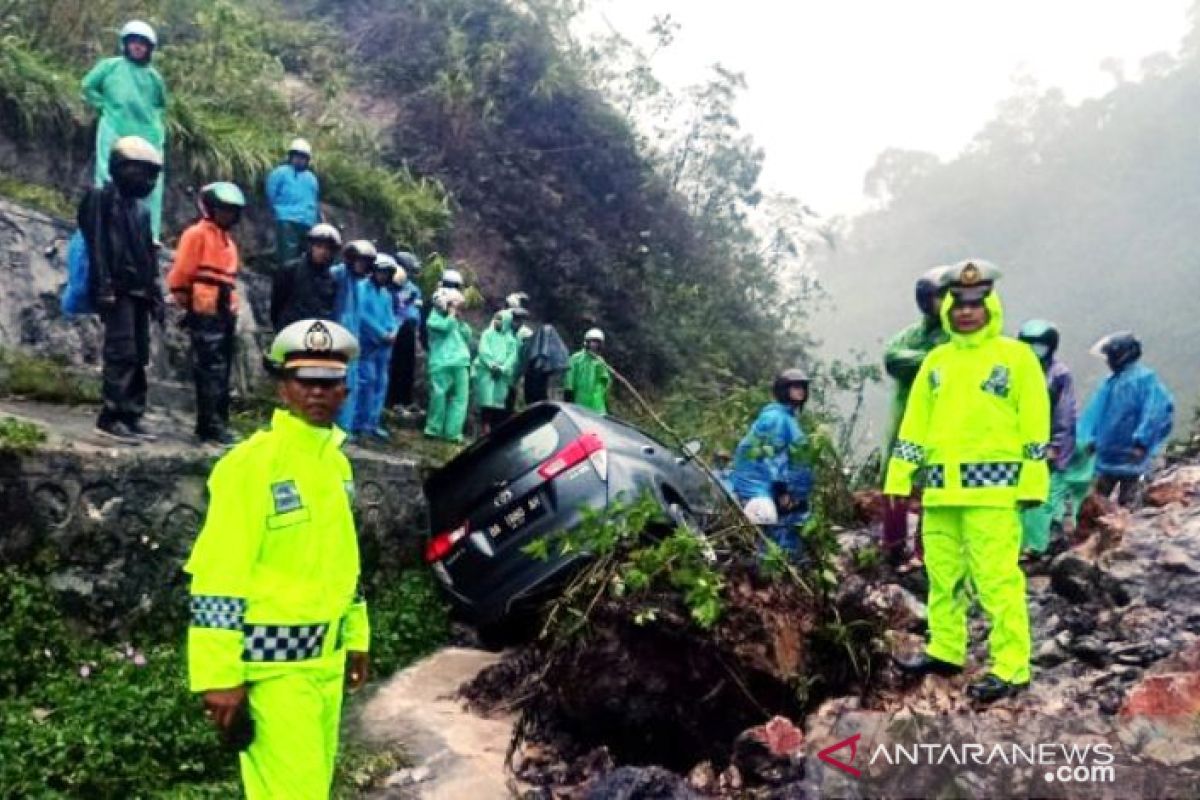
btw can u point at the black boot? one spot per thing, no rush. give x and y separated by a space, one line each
991 688
924 664
117 431
139 429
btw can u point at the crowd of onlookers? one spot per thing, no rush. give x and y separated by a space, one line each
986 443
374 295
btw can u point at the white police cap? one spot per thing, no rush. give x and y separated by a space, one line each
314 348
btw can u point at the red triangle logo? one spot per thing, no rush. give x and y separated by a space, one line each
852 743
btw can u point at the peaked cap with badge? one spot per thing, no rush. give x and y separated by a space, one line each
314 348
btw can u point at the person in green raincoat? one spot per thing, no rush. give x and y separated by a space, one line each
495 366
588 377
905 353
131 99
449 366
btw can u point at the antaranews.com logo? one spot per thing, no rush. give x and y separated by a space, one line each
864 754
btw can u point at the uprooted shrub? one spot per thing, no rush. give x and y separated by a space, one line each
673 640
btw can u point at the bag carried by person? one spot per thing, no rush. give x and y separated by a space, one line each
76 295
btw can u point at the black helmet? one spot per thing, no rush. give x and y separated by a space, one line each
929 290
1039 331
1119 349
409 263
787 379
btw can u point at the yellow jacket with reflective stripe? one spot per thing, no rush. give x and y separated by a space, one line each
278 547
977 422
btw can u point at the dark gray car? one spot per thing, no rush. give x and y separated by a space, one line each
530 477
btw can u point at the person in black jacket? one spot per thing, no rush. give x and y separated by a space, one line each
306 288
124 282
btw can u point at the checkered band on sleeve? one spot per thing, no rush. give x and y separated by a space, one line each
1000 473
212 611
934 476
907 451
283 642
1035 451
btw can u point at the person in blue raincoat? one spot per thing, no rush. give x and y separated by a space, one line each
1127 420
377 324
358 261
771 473
295 197
131 98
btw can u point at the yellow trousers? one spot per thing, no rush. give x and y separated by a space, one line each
296 715
982 544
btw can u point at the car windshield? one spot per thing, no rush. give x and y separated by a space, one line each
506 456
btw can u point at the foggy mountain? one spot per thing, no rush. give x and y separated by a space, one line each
1090 210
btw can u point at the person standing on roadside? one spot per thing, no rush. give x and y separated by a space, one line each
902 359
295 197
1128 419
203 282
378 325
131 98
977 427
407 303
495 366
1043 338
123 283
307 289
588 376
358 262
449 366
279 627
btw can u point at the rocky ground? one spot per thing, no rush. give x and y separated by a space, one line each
1116 628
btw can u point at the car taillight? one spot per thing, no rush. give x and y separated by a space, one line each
440 546
589 445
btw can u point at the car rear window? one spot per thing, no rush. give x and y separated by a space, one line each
508 454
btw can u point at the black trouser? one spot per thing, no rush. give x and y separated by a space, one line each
212 360
403 367
1129 489
126 353
537 387
491 417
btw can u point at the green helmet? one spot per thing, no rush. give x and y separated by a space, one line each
224 193
1040 332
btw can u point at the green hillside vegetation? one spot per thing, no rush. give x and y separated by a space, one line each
495 138
229 118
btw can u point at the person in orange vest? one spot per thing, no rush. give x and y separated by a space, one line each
202 282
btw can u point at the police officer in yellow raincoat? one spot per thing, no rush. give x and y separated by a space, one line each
976 426
277 621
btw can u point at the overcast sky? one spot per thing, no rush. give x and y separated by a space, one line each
834 82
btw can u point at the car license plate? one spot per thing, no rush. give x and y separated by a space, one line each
518 515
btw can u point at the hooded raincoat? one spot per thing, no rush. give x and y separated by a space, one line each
294 194
977 422
1132 408
496 364
131 100
770 461
1036 522
902 360
449 375
588 377
977 426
